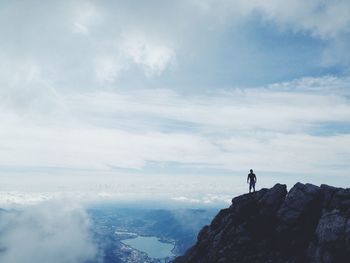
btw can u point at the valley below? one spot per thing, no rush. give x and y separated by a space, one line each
145 235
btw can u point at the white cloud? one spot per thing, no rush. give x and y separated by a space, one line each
118 188
108 68
133 50
206 199
271 128
282 107
71 40
153 57
49 232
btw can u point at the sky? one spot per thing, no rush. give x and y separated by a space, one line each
172 98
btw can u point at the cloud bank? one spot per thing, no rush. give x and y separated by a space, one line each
49 232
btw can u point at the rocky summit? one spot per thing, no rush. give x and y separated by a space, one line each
306 224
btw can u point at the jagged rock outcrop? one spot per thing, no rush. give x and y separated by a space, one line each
307 224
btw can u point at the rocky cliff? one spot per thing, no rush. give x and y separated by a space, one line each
306 224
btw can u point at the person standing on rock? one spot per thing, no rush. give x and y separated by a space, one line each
252 180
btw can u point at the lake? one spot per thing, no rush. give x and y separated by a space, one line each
150 245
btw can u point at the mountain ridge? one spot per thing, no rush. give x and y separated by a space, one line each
307 224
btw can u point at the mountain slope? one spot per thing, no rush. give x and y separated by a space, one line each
307 224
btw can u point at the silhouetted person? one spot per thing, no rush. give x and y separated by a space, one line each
252 180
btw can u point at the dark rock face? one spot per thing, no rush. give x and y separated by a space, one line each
307 224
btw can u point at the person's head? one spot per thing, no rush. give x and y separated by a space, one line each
251 170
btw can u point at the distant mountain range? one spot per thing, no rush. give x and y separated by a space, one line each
306 224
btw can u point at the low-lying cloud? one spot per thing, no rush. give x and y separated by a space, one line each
52 232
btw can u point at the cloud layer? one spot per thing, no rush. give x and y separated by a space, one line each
283 127
89 44
49 232
171 87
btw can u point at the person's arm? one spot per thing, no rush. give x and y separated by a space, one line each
247 178
255 178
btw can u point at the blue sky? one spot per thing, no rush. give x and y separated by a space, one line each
115 91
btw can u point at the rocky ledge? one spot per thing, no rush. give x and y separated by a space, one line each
306 224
